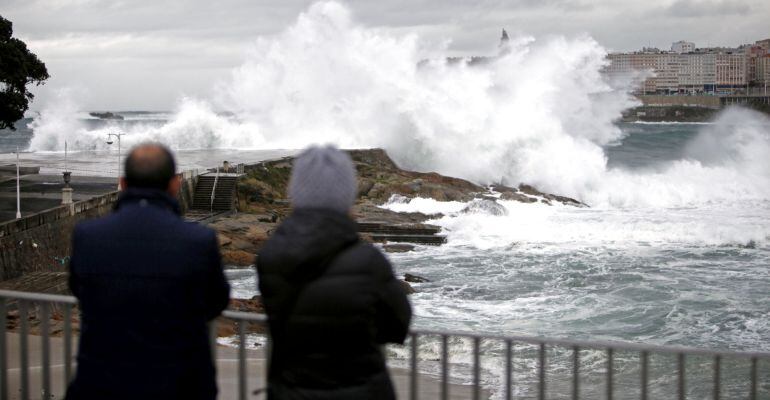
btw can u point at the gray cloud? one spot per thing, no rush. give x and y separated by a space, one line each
145 54
701 8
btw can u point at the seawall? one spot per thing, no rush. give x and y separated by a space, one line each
702 108
41 242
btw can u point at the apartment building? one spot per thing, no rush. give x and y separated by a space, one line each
763 70
682 47
687 69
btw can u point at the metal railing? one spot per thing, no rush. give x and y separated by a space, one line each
552 368
214 191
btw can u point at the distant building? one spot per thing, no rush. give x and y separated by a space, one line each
763 70
731 71
754 53
690 70
682 47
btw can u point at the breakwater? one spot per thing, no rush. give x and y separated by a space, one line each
41 241
702 108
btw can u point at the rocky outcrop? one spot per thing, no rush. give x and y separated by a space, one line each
485 206
415 278
106 115
529 194
240 236
263 203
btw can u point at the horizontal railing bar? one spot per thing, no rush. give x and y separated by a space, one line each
244 316
41 297
622 346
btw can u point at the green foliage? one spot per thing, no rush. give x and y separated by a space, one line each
18 68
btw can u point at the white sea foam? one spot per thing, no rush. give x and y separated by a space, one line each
540 113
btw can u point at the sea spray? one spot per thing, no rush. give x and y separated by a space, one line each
539 112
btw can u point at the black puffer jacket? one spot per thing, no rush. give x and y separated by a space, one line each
331 301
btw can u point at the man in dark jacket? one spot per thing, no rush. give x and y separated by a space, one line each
147 283
331 299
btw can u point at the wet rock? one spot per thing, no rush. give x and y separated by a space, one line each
415 185
223 240
238 258
364 187
532 191
485 206
521 198
398 248
408 289
415 278
749 245
253 305
271 217
530 194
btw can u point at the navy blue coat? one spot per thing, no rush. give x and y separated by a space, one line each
147 282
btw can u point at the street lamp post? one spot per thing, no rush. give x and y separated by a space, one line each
117 135
18 187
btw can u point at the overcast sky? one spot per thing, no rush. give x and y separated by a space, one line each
145 54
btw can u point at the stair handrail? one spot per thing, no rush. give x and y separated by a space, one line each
213 191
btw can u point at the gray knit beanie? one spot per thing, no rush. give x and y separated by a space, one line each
323 177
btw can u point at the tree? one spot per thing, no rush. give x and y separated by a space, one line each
18 68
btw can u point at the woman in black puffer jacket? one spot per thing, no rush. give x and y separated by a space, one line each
331 299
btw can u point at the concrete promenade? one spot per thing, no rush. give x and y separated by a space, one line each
227 373
42 192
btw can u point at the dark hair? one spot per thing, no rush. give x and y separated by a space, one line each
150 166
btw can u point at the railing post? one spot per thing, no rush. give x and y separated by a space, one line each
508 369
717 376
213 338
476 368
575 373
242 360
541 371
413 371
644 361
24 347
609 373
444 367
681 373
46 347
3 352
67 343
753 391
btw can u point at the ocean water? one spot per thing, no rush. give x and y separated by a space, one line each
694 274
673 250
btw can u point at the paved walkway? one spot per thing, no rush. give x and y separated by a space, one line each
227 367
41 192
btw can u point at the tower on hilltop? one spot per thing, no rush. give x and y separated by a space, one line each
504 39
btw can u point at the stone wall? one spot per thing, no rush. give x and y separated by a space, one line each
41 242
687 101
187 191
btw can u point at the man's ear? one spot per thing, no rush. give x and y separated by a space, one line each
174 185
123 184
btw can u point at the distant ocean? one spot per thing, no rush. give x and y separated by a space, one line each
694 272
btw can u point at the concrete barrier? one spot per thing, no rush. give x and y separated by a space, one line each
687 101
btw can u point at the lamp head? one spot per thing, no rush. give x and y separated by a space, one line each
109 142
